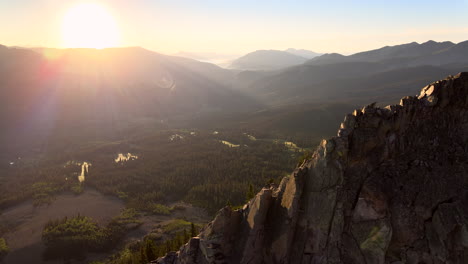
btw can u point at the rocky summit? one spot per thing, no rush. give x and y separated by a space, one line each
391 187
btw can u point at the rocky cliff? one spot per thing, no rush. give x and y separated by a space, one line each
391 187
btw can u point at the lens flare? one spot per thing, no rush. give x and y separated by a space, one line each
89 25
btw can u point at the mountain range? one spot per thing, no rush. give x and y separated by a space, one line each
410 54
112 88
335 77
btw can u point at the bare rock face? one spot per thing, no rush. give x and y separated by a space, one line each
392 187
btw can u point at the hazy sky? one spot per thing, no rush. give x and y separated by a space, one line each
240 26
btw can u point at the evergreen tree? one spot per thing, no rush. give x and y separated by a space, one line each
143 257
168 245
193 230
250 192
150 248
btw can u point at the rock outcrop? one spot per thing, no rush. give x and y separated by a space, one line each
391 187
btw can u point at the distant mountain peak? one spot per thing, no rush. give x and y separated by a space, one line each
267 60
303 53
328 58
333 55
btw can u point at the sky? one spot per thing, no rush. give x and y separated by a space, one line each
241 26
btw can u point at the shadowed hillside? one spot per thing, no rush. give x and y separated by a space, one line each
381 75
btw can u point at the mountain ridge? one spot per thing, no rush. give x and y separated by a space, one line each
267 60
308 54
313 79
389 188
411 50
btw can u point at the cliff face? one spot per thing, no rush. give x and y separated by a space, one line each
392 187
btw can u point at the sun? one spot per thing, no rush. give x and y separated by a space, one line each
89 25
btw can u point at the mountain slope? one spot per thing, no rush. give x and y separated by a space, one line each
303 53
409 51
266 60
353 85
175 85
390 188
405 50
332 77
457 54
50 91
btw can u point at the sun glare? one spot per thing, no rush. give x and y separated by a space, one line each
89 25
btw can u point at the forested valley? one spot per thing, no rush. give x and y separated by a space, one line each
149 173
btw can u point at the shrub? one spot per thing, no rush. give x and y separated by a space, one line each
77 189
3 248
159 209
176 225
72 237
44 192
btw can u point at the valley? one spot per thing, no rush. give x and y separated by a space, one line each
100 182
